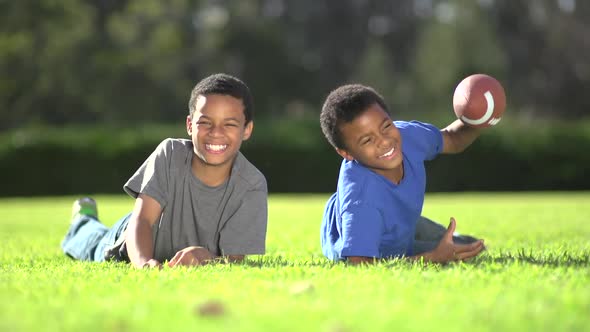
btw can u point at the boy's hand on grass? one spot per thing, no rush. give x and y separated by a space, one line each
448 251
191 256
152 263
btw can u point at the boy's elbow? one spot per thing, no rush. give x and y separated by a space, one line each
453 149
460 149
456 146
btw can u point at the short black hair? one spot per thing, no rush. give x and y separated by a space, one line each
343 105
223 84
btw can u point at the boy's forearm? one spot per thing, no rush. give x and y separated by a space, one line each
457 136
139 242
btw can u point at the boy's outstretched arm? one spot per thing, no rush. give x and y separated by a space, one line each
458 136
140 247
446 251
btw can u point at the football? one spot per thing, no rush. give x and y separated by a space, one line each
479 101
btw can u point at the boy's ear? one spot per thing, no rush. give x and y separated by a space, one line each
248 130
344 154
189 125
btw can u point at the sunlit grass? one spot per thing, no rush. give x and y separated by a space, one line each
535 275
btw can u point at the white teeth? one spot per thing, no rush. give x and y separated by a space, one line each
216 147
389 153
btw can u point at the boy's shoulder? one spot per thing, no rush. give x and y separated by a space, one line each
244 171
357 183
177 152
413 126
175 144
242 168
420 140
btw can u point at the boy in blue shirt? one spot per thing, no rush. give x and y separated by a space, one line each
377 205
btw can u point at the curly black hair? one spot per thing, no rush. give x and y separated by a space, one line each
223 84
343 105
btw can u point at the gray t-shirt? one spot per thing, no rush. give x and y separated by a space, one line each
229 219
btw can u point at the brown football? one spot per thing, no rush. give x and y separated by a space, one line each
479 101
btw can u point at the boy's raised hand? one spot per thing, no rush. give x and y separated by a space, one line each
448 251
191 256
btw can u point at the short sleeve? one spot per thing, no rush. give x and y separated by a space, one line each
425 138
152 177
362 228
245 232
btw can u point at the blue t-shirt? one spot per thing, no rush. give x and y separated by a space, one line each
369 215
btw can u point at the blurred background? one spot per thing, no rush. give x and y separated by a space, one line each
88 88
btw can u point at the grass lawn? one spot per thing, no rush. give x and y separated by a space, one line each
535 275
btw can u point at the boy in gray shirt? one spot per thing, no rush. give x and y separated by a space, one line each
196 200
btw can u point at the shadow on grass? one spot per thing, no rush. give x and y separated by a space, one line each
552 259
279 261
522 256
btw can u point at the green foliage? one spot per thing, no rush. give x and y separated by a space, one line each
294 157
122 62
460 41
533 277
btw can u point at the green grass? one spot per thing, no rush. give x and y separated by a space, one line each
535 275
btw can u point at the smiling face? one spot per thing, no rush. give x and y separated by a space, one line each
373 140
217 128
